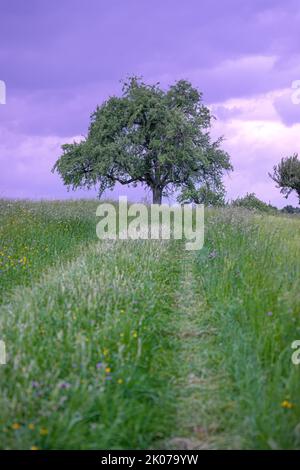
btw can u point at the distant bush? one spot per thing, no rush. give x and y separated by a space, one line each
291 210
203 195
251 202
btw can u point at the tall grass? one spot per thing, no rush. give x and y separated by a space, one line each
138 344
35 235
249 274
88 349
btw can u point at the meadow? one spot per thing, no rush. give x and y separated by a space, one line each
142 344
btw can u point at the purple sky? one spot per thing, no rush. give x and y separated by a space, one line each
60 59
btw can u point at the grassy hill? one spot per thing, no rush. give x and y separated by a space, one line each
141 344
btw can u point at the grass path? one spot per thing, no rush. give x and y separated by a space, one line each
193 380
197 425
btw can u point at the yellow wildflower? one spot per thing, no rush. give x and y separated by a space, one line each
43 432
31 426
287 404
120 381
107 370
16 426
34 448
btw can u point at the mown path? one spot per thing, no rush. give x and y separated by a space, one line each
196 385
192 382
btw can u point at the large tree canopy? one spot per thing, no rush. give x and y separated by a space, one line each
150 136
287 175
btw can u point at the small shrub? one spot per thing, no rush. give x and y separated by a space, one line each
291 210
251 202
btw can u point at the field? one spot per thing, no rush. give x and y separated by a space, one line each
142 344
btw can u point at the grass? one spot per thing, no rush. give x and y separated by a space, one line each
88 345
40 234
248 279
140 344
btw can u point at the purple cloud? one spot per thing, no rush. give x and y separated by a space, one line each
60 59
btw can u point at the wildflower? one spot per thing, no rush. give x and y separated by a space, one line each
31 426
34 448
120 381
287 404
65 385
105 351
269 314
43 431
134 334
99 365
213 254
16 426
108 377
35 384
107 370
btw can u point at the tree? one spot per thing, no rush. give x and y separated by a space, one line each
251 202
204 195
287 175
157 138
291 210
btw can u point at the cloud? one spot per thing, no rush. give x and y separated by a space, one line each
26 163
288 111
255 147
59 63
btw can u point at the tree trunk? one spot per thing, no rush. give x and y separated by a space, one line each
157 195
